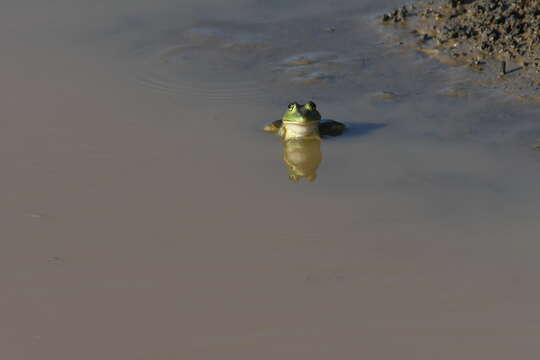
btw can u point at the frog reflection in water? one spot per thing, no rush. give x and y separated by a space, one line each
301 129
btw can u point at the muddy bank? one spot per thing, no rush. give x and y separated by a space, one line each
499 38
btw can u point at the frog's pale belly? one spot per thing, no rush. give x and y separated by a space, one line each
293 129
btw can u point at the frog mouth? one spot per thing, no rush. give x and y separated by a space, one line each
301 123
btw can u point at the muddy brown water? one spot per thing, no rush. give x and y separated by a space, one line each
145 215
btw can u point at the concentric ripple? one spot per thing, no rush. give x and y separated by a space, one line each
206 65
313 67
239 65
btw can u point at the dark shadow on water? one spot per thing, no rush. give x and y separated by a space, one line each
359 129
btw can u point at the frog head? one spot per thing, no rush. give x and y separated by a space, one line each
301 113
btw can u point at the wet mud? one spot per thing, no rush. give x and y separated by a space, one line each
498 38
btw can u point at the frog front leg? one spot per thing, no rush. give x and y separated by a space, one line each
331 128
274 126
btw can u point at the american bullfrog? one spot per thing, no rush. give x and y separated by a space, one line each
304 121
301 129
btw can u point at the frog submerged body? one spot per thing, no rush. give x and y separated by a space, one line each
304 122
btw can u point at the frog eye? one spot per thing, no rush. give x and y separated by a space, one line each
311 106
292 106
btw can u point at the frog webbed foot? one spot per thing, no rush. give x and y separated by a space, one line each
331 128
274 126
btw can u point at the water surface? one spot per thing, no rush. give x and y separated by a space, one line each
147 216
